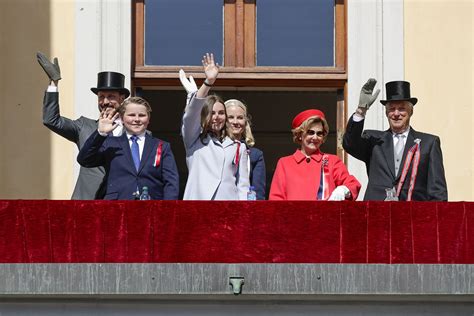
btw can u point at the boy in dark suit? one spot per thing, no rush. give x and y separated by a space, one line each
135 159
400 160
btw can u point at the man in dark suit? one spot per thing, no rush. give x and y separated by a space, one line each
133 160
400 160
110 92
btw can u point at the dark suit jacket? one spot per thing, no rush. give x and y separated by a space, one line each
121 176
77 131
375 148
257 172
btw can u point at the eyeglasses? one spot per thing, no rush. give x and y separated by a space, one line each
311 132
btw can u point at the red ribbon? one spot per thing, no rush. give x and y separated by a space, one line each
158 155
237 154
325 163
236 161
413 152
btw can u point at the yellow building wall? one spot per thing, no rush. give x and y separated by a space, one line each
34 162
439 64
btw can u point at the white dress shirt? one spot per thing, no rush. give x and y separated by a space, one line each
396 139
119 129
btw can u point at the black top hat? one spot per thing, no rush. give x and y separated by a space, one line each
398 91
109 80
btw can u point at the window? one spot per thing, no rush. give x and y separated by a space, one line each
258 42
173 27
295 33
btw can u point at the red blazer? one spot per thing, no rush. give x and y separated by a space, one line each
298 178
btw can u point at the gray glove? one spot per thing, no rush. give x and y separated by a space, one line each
366 97
51 69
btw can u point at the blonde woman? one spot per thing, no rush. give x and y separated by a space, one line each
239 128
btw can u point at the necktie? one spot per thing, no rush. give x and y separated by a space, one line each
398 151
135 151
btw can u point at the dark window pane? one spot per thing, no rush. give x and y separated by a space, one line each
295 33
179 32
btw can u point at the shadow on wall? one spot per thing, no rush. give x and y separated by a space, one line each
25 143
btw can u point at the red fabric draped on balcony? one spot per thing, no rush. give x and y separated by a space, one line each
236 232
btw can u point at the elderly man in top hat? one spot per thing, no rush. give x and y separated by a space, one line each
402 164
111 92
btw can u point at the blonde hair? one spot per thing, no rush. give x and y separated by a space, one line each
247 134
306 125
206 116
134 100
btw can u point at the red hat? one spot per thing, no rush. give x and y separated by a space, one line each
303 116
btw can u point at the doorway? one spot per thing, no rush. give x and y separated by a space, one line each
271 112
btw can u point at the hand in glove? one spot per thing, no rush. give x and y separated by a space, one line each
340 193
189 85
366 97
50 68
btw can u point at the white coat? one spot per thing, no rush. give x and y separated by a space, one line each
212 172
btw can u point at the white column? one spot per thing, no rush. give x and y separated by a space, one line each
375 50
102 43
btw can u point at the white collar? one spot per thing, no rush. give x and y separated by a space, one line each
405 133
141 136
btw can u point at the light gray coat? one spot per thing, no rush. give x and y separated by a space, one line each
212 172
77 131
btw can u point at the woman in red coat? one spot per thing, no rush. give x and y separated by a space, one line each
309 174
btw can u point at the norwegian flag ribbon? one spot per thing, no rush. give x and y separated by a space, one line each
325 165
157 160
414 152
323 191
237 155
236 160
